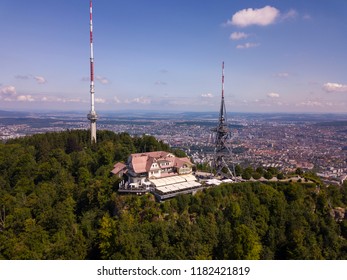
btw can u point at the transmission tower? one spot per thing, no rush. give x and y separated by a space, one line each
222 149
92 116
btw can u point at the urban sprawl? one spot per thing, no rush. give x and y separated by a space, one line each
267 141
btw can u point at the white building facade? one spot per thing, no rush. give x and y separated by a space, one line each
161 173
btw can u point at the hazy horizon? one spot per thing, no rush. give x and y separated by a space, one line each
106 113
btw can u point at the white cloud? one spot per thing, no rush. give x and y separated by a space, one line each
273 95
322 105
100 100
25 98
116 100
40 80
247 46
51 99
335 87
139 100
56 99
264 16
8 91
291 14
238 35
207 95
310 103
102 80
72 100
282 75
142 100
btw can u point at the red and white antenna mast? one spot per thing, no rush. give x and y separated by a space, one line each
92 116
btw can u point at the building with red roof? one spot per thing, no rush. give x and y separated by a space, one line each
158 172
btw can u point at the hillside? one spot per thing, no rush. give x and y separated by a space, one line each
58 200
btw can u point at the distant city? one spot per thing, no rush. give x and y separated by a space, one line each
316 142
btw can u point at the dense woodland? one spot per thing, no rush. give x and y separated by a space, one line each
58 200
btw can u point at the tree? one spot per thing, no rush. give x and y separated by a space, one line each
179 153
246 175
272 170
299 171
245 245
256 175
106 236
260 170
238 170
268 175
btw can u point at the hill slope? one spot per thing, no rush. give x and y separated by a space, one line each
58 200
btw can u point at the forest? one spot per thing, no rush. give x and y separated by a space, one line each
58 200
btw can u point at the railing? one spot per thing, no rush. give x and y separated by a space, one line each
133 188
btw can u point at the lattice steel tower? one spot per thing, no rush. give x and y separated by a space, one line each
222 150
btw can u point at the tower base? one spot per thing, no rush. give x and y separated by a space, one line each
222 168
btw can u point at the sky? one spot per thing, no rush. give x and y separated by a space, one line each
166 55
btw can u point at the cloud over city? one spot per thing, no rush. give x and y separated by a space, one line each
25 98
238 35
335 87
102 80
7 91
9 94
247 46
273 95
291 14
39 79
282 75
138 100
100 100
207 95
263 17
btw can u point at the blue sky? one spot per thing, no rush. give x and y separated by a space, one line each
166 55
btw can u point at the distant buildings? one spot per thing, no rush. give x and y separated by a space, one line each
258 140
161 173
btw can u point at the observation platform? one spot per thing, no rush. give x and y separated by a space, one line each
92 116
